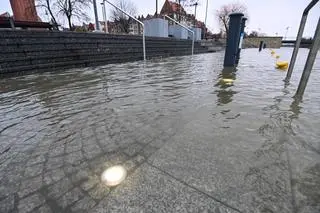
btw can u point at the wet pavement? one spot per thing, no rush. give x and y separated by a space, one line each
190 141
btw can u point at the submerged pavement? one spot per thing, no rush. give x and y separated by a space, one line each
189 142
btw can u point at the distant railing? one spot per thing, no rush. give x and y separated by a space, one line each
185 27
143 35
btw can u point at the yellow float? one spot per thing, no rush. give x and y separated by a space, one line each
283 65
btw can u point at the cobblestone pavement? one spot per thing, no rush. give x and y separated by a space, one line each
186 144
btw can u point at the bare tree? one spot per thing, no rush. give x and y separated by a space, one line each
122 20
253 34
223 14
73 8
47 5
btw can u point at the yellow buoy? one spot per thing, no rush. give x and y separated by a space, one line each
277 56
282 65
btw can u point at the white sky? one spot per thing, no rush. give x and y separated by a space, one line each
271 16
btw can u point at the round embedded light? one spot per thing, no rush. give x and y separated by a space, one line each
114 175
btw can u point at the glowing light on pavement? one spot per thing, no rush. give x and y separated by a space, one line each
114 175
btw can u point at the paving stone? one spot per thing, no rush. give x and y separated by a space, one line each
54 163
29 203
74 158
157 143
7 204
59 188
30 185
83 205
139 159
20 157
150 190
91 151
129 165
71 169
53 176
90 183
148 151
43 209
56 151
40 150
133 149
81 175
70 197
36 160
33 170
99 191
73 146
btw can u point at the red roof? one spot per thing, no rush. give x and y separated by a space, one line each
170 7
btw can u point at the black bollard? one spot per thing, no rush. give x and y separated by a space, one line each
264 46
233 38
243 25
260 46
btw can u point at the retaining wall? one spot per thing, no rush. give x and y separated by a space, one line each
271 42
24 51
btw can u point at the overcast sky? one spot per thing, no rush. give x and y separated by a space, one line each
270 16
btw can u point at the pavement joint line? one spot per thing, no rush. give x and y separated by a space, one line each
198 190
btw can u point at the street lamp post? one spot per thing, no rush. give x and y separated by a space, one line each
96 14
205 19
285 35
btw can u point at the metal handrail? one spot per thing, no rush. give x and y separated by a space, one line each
299 37
143 36
184 28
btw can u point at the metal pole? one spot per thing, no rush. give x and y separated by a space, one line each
195 13
143 36
298 39
205 19
96 14
260 46
192 49
309 64
233 39
105 17
285 36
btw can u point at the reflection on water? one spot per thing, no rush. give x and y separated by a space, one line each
76 123
225 82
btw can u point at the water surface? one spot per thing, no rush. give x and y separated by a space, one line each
190 141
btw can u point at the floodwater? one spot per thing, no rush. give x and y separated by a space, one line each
190 141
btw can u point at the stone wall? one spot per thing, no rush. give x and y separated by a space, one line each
271 42
25 51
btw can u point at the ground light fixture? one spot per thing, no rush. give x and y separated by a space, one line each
114 175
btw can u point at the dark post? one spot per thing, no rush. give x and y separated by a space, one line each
264 46
232 39
243 25
260 46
